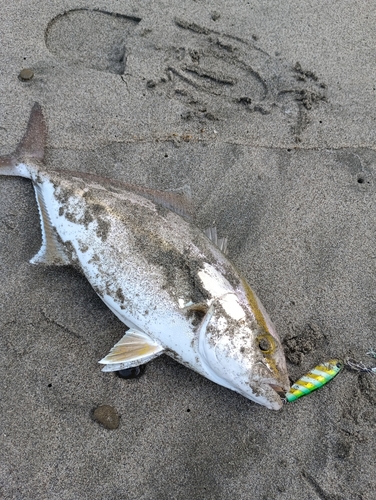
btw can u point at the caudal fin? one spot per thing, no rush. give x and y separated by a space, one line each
30 147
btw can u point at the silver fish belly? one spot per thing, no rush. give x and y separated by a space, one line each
160 275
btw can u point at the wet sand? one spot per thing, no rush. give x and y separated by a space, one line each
268 113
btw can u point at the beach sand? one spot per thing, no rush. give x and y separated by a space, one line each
267 112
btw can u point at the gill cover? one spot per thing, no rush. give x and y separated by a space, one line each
207 347
217 347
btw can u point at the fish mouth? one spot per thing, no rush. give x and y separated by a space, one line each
279 385
278 389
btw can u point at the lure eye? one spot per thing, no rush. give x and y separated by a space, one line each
266 343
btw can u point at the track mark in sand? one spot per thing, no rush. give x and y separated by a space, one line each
95 39
60 325
211 66
300 341
241 75
9 221
319 491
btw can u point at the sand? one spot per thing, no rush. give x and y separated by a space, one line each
267 111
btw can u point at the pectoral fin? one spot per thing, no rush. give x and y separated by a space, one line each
201 307
135 348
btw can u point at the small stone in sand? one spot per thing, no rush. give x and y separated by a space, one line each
26 74
107 416
134 372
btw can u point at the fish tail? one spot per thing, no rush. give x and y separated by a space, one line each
30 148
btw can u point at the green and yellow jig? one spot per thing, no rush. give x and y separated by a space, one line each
316 378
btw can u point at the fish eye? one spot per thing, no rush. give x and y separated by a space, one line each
266 343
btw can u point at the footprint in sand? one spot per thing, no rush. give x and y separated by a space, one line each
95 39
215 75
239 74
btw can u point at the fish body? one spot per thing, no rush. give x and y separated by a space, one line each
158 273
315 379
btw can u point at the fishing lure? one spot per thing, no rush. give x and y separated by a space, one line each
316 378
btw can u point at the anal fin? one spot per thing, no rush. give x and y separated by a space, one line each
135 348
52 251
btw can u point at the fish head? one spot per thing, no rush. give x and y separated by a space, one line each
244 357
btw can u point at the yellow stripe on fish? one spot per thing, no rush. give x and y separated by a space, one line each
316 378
253 302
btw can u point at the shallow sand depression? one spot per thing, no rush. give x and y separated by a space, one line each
267 112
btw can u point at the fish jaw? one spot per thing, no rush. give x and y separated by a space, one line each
267 392
265 395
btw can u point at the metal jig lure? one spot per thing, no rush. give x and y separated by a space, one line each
315 379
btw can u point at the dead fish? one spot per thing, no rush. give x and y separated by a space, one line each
313 380
159 274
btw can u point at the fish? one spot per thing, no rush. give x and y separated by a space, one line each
315 379
171 284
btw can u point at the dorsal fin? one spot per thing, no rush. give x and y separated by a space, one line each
33 142
221 243
178 201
